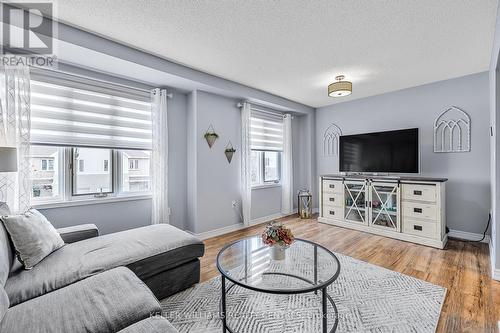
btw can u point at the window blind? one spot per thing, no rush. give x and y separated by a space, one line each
77 111
266 131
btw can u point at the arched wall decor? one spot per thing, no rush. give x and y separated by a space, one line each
331 140
452 131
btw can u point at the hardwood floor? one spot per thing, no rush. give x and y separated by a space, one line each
472 302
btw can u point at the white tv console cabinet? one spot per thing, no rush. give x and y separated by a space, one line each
407 208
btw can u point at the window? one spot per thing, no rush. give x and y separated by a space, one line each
266 136
90 178
95 173
45 173
106 133
47 164
133 164
265 167
272 166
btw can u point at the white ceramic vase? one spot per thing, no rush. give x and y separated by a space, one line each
278 252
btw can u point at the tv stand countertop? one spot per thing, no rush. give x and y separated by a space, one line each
389 178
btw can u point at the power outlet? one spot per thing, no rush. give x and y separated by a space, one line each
234 204
169 211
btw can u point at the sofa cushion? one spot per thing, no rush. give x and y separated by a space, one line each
107 302
82 259
34 237
155 324
6 250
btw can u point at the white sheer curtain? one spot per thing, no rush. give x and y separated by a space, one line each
159 157
15 188
287 167
246 182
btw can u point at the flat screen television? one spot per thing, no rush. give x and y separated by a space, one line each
380 152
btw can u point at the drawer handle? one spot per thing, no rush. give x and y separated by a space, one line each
417 210
332 212
332 199
417 227
331 186
417 192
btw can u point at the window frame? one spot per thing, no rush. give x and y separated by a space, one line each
65 198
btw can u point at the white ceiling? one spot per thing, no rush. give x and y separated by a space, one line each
295 48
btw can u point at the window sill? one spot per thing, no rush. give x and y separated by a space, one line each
89 201
264 186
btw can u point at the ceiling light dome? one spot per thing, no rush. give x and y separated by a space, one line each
340 88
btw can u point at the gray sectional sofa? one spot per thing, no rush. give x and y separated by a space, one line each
108 283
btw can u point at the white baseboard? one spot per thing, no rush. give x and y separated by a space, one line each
238 226
269 218
218 232
470 236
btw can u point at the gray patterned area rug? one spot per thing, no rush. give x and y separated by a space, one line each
369 298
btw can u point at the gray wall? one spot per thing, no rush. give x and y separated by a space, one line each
213 183
468 188
218 182
117 216
109 217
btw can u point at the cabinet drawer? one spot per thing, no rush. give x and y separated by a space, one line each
419 192
421 228
332 212
332 199
335 186
420 210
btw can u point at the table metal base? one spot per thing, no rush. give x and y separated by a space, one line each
324 298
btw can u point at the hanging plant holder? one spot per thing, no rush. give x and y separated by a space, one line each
229 152
211 136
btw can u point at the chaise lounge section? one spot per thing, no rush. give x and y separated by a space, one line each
98 283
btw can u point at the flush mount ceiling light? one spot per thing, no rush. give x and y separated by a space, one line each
340 88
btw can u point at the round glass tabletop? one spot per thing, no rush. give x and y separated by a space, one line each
307 266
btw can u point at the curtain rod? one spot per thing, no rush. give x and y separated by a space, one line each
89 77
64 145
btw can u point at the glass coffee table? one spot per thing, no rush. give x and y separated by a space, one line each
307 268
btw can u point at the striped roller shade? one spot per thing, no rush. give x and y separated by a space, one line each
76 111
266 131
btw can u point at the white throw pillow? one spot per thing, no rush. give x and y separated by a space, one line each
33 236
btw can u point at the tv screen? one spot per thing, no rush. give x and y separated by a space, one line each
388 152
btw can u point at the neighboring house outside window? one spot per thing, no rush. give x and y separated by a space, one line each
44 173
137 177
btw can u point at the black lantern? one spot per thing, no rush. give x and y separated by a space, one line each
304 204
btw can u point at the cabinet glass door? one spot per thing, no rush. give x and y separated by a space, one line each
355 195
384 205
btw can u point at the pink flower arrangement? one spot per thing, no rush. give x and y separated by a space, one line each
277 233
